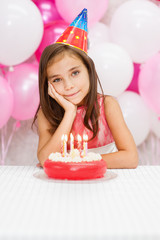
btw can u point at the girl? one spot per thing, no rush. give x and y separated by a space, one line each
69 103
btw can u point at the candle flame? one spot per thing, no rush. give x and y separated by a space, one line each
65 137
79 138
85 137
71 136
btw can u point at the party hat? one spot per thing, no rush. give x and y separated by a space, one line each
76 34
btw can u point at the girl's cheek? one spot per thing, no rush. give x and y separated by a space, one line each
58 89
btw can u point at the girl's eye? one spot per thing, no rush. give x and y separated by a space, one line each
57 80
75 73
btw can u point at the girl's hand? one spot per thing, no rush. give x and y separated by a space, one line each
65 104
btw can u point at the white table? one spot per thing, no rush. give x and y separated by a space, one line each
124 205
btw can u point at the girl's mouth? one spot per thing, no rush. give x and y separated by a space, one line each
72 95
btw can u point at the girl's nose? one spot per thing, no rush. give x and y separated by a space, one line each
68 85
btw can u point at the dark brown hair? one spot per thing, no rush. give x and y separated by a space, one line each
51 109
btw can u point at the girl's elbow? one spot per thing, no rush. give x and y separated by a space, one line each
40 159
134 160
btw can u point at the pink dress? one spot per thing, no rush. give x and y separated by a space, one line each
103 137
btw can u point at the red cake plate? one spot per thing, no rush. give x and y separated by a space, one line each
75 171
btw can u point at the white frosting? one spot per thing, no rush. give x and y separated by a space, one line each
75 157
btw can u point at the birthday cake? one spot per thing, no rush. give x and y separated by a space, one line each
75 166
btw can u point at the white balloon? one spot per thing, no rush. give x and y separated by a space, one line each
136 115
21 30
114 67
98 33
135 26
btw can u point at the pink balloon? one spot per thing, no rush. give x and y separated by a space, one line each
52 32
24 83
6 101
69 9
134 83
48 10
149 83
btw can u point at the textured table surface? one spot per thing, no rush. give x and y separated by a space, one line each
124 205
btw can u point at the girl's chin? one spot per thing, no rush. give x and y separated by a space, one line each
76 102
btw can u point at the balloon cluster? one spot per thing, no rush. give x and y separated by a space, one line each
128 64
125 52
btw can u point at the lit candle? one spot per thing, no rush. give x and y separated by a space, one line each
71 143
79 143
64 145
85 144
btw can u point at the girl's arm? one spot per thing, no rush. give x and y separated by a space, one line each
127 155
49 143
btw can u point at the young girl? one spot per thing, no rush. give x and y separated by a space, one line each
69 103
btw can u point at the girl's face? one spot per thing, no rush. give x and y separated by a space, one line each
69 77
